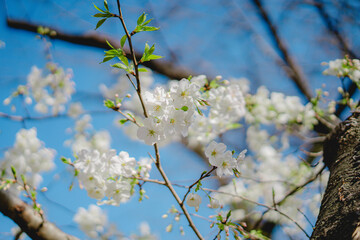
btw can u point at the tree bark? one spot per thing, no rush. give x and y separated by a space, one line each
29 220
339 215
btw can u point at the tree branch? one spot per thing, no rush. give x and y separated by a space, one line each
162 67
28 219
294 71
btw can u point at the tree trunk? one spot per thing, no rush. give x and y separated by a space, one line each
339 216
29 220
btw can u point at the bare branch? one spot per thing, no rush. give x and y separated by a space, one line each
294 71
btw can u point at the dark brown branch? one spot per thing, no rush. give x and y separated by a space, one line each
163 67
340 207
294 71
28 219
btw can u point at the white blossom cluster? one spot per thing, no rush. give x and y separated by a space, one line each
107 174
223 160
344 68
278 109
227 107
86 138
29 157
170 112
92 221
267 177
53 90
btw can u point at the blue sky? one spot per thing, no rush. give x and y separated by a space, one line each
204 38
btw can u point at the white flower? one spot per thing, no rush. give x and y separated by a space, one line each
214 150
193 200
150 132
240 159
224 163
145 167
92 221
118 191
88 162
128 164
75 109
214 203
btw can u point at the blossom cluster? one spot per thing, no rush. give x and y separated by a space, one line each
86 138
29 157
52 90
227 107
170 112
278 109
267 176
91 221
108 174
344 68
223 160
94 223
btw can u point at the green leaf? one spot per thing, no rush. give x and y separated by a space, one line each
122 121
149 29
153 57
33 194
233 126
124 60
108 103
198 185
228 214
65 160
185 108
98 8
106 5
100 23
76 172
142 70
13 170
141 19
107 59
109 44
23 178
147 22
151 50
120 65
123 40
98 15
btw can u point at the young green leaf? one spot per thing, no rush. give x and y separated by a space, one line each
109 44
13 170
106 5
108 103
98 8
122 121
149 29
185 108
141 19
123 40
100 22
142 70
121 66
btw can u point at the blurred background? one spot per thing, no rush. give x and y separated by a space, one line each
277 43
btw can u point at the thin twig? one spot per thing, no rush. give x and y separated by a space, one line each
203 175
157 154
